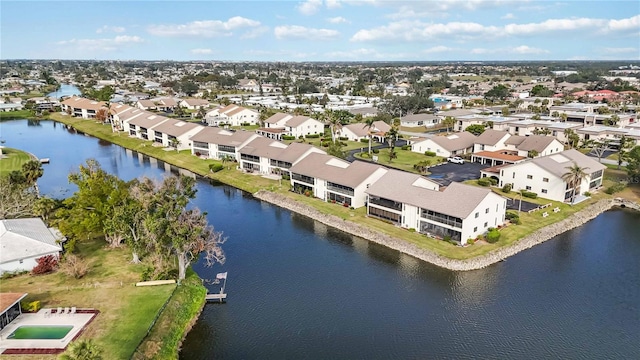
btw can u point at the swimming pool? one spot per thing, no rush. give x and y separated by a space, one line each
40 332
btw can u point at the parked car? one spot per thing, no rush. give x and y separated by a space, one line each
456 160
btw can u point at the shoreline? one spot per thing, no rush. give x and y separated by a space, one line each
546 233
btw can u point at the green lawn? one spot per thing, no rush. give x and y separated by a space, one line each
18 114
405 160
349 145
13 160
126 311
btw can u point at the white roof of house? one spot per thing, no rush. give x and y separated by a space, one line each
25 238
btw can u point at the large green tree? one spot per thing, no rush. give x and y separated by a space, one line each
633 164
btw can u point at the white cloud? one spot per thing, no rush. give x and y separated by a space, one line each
115 29
524 49
438 49
521 50
414 30
310 7
204 28
254 33
625 50
366 54
632 23
102 44
301 32
417 30
202 51
508 16
338 20
333 4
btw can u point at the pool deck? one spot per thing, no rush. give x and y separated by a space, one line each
25 346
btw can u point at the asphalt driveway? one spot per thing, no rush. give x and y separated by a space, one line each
447 173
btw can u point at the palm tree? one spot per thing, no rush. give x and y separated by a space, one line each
32 171
82 350
573 177
368 124
334 123
448 122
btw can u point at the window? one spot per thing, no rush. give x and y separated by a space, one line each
486 224
544 191
486 211
475 229
529 177
477 214
545 179
514 175
528 187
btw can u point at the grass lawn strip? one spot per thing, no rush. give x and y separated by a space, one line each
404 161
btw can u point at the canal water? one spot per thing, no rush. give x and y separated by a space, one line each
64 90
298 289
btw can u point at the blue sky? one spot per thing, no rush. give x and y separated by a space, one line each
321 30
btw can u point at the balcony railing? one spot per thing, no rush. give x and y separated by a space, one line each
340 189
303 178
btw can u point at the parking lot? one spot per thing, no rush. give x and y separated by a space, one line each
447 173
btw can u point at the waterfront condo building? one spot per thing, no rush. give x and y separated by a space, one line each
411 201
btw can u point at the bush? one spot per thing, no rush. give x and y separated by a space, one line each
614 188
513 218
343 138
288 137
245 124
484 182
430 153
325 143
312 136
376 151
75 266
46 264
471 241
493 236
506 188
529 194
215 167
32 307
406 147
586 193
364 141
493 181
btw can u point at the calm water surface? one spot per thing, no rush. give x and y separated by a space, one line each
298 289
65 90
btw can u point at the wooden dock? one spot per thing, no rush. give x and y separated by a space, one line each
216 297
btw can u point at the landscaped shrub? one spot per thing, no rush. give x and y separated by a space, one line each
245 124
471 241
614 188
74 265
529 194
312 136
586 193
343 138
430 153
288 137
375 151
32 306
406 147
325 143
493 236
46 264
513 218
364 140
484 182
506 188
215 167
493 181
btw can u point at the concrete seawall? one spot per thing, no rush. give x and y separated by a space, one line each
542 235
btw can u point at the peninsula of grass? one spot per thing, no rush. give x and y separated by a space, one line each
126 311
12 160
253 183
